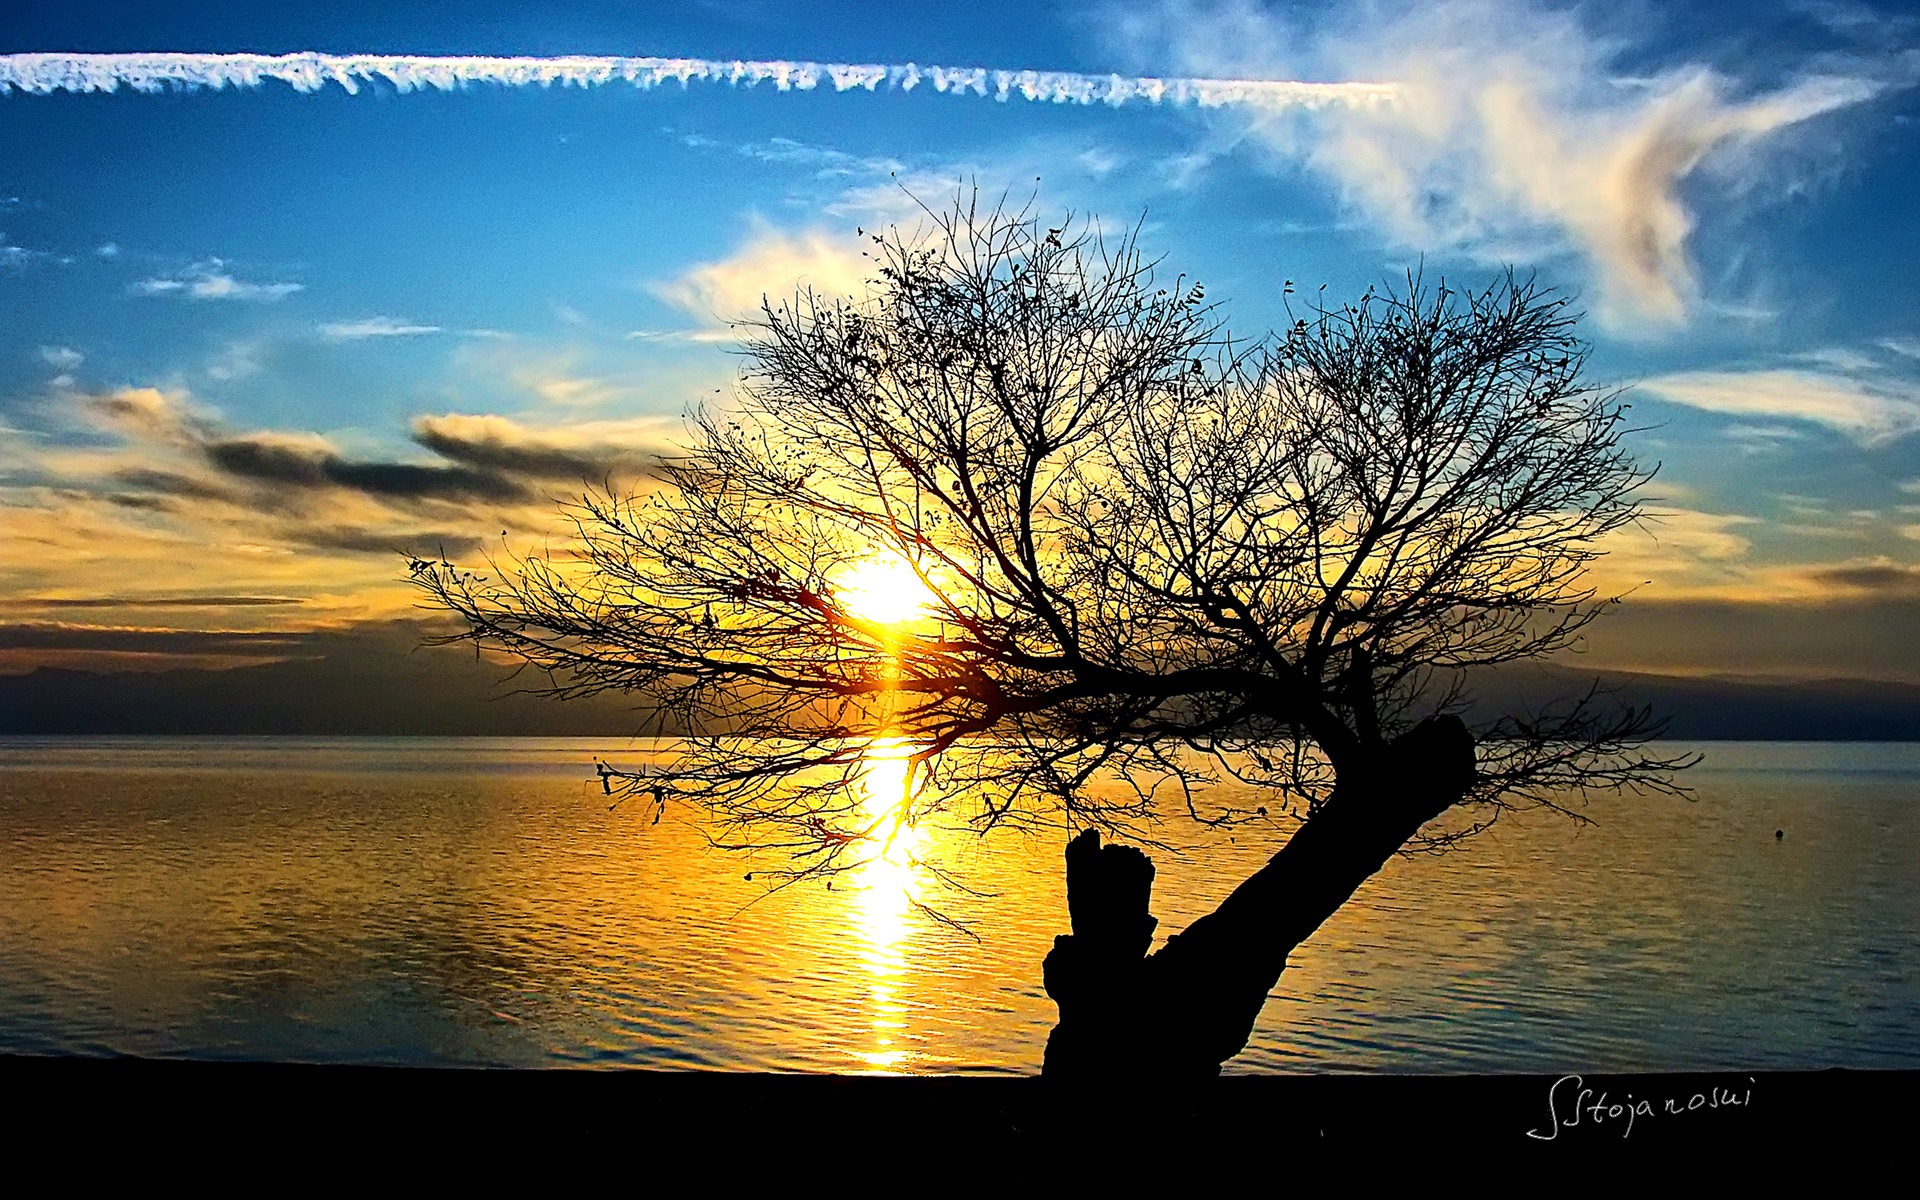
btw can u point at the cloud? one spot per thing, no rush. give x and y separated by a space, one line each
62 358
691 336
44 635
154 601
354 540
826 161
209 280
770 264
1764 439
375 327
169 418
16 258
1878 578
1869 410
187 479
1689 556
42 74
584 453
1837 359
1679 552
1479 125
238 360
146 501
169 483
199 458
25 646
577 391
1512 126
307 463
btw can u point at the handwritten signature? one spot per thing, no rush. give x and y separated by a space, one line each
1579 1103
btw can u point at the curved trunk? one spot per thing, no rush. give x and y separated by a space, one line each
1191 1006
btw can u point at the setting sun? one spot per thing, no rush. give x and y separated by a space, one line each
885 590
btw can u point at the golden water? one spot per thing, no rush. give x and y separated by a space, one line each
454 901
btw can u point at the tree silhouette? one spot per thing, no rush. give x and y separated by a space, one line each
1150 553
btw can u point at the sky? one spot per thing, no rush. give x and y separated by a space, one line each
254 339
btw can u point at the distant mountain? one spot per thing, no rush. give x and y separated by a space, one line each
375 681
371 682
1727 707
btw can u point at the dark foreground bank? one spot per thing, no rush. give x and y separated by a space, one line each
953 1127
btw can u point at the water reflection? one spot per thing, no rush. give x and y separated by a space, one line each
475 902
887 891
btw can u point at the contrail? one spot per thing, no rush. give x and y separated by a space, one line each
42 74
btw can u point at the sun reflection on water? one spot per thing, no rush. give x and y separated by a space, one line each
887 889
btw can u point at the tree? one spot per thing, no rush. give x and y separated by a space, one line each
1150 553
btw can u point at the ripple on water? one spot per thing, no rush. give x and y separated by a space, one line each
476 903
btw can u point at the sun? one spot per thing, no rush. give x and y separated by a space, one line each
885 590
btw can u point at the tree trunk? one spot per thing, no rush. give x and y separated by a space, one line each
1183 1011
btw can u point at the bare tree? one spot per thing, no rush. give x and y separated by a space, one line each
1150 553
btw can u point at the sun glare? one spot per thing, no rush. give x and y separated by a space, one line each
888 886
884 590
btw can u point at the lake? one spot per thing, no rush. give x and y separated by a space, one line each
475 902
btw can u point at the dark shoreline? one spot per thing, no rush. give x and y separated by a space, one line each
1021 1124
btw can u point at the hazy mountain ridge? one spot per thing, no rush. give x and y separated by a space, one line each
379 682
1720 707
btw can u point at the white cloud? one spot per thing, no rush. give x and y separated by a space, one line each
1838 359
579 391
375 327
584 448
308 72
1700 535
694 336
1869 411
107 250
826 161
62 358
1741 312
238 360
209 280
14 257
1511 125
1679 552
1684 554
1478 125
1764 439
770 264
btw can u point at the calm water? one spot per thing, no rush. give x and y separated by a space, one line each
475 902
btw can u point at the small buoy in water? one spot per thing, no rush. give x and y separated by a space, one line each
1779 835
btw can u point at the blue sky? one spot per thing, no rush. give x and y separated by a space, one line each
252 338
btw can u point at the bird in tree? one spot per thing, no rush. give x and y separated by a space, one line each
1026 522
